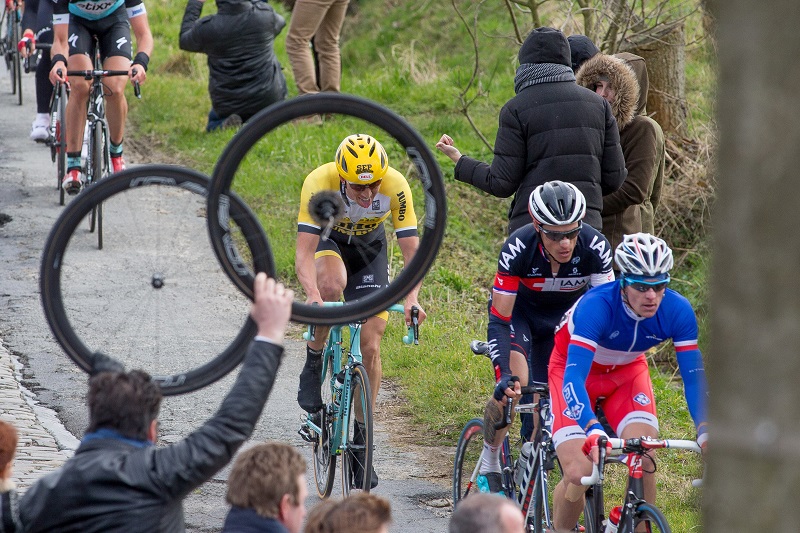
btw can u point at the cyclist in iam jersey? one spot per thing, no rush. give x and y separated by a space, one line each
353 262
599 353
75 24
544 267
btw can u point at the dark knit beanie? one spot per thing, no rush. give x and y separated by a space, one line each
545 45
581 48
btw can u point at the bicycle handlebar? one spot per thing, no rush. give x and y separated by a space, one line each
412 337
636 446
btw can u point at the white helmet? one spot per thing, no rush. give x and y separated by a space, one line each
642 254
557 203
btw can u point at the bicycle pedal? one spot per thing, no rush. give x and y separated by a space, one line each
307 435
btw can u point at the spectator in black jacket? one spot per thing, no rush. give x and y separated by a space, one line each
244 74
552 129
118 480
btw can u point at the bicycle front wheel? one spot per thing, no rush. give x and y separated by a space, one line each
17 68
545 475
651 517
324 456
155 298
357 453
60 140
467 459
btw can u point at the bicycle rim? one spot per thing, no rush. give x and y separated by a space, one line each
427 174
592 519
357 456
324 457
155 298
467 459
652 518
544 480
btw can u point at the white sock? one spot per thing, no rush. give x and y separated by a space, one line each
490 459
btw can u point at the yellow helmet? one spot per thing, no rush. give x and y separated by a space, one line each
360 159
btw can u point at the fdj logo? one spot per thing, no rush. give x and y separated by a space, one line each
360 169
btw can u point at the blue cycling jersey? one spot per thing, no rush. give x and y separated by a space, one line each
602 329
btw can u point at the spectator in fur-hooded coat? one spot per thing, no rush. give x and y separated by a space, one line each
629 209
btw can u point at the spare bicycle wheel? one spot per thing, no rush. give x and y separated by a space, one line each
154 298
273 153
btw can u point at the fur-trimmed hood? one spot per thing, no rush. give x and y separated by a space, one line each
623 80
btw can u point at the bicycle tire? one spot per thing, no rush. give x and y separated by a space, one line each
95 174
395 126
652 517
324 458
17 73
592 522
61 142
210 368
468 454
352 453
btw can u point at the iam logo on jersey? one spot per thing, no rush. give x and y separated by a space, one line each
641 399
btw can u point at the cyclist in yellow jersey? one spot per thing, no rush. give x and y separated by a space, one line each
352 262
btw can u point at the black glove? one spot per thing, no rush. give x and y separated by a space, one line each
505 382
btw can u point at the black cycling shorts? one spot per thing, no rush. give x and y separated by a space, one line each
367 264
113 33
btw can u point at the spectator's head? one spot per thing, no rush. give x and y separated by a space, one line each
581 48
126 402
486 513
612 78
362 512
270 478
545 45
8 447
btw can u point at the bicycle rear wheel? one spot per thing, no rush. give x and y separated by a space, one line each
652 518
357 453
156 298
263 156
324 457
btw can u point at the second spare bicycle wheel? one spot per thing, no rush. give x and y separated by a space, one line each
267 162
154 298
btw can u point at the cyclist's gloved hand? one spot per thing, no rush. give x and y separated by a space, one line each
593 434
28 42
506 381
104 363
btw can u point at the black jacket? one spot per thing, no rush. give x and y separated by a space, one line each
551 131
112 485
244 74
241 520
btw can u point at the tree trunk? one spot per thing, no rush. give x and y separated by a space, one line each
664 52
754 451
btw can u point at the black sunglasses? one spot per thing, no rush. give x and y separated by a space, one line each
644 287
557 236
361 188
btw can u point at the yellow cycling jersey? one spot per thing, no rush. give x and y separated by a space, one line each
393 197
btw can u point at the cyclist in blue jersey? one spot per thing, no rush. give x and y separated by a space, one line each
599 354
75 24
543 268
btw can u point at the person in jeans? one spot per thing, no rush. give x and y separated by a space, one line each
118 480
244 75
